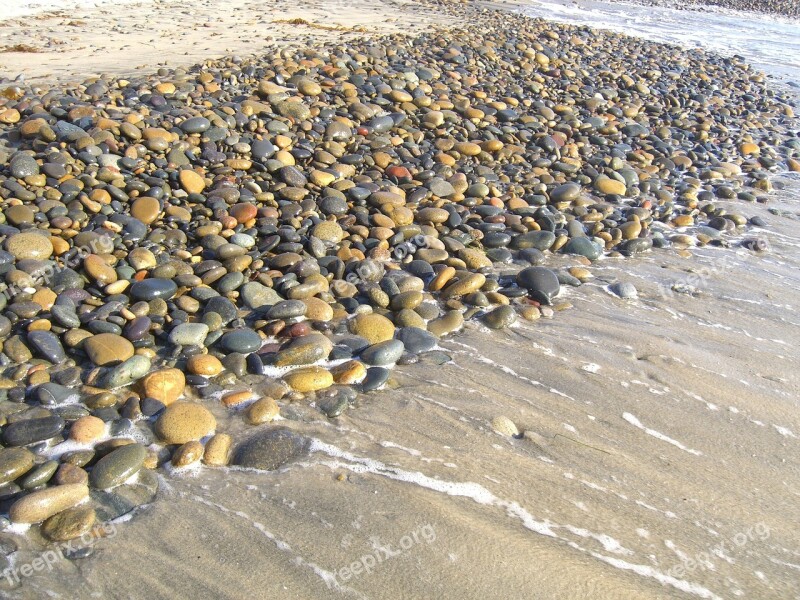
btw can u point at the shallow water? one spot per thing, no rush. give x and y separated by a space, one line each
769 43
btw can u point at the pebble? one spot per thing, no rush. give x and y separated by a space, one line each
106 349
69 524
184 422
542 283
42 504
118 466
372 327
165 385
271 449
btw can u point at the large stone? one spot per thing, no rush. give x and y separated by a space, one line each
542 283
165 385
106 349
118 466
42 504
270 450
30 245
184 422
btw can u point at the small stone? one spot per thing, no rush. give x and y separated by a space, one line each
624 290
204 364
501 317
309 379
187 454
87 429
217 452
542 283
373 327
505 426
261 411
30 245
383 353
146 209
242 340
14 463
30 431
189 334
191 182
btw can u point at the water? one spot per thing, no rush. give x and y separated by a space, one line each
769 43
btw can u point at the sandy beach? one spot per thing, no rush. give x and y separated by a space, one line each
655 438
144 36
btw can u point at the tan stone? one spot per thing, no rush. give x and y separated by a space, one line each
183 422
375 328
42 504
309 379
87 429
165 385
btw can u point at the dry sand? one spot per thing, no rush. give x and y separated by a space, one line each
659 431
121 39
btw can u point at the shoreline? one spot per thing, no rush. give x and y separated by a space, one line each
560 208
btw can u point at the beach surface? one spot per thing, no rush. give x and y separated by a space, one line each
659 460
658 448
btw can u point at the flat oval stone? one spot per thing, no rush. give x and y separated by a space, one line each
47 344
189 334
501 317
582 246
23 165
542 283
242 340
30 245
107 349
383 353
304 351
42 504
126 373
30 431
118 466
195 125
270 450
69 524
416 340
150 289
14 462
164 385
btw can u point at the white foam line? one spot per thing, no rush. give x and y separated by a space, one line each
481 495
327 576
636 423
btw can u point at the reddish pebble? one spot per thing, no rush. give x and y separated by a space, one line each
244 211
